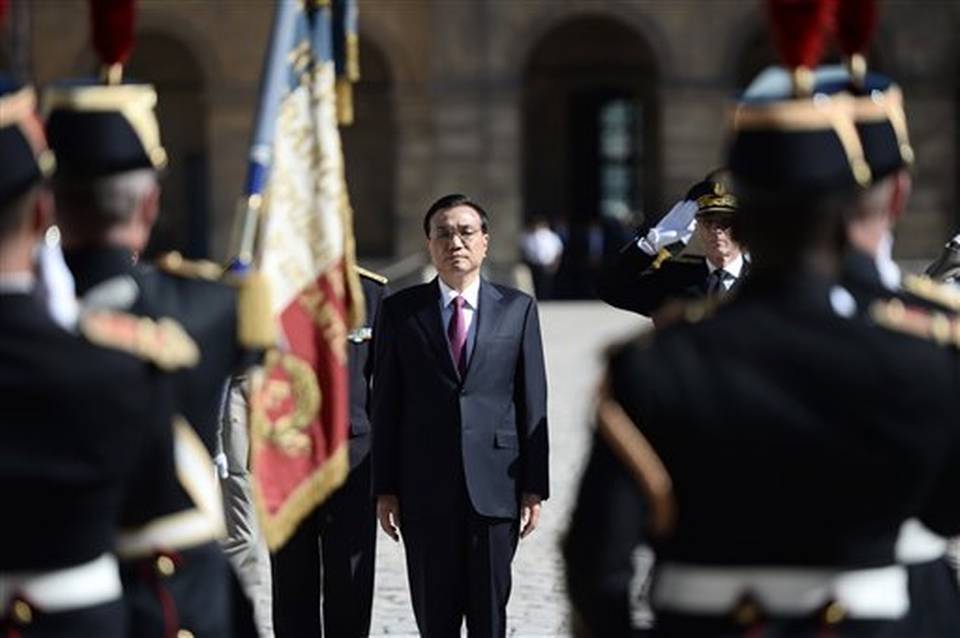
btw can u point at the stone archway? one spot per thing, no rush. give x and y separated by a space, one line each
370 153
168 63
591 138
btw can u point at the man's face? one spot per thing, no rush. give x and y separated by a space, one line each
457 242
718 244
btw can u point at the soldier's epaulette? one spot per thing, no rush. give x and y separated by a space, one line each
924 287
163 342
175 264
373 276
930 325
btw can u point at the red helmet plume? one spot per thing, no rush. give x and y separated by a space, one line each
800 29
112 28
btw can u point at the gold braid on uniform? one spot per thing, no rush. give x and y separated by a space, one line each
635 452
163 342
372 276
255 325
926 288
939 327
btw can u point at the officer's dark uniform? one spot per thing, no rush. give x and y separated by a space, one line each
177 578
345 524
85 430
642 283
770 452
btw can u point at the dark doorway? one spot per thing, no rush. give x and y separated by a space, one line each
369 147
591 122
169 65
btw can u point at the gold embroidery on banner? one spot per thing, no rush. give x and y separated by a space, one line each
326 316
286 403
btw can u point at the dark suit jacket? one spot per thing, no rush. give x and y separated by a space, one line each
631 282
430 427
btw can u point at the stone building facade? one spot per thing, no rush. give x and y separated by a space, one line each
577 109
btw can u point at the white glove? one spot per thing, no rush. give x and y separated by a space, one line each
57 282
677 226
887 268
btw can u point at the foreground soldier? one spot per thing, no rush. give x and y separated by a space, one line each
73 448
107 196
774 499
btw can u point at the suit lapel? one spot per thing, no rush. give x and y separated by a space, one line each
489 314
430 320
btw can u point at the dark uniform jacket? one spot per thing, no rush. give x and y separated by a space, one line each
637 282
84 430
793 437
360 361
934 594
206 309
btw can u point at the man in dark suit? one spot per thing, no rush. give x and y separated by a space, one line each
646 274
345 526
459 427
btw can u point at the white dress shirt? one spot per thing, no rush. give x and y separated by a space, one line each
733 268
471 296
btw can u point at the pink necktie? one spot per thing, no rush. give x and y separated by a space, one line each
457 335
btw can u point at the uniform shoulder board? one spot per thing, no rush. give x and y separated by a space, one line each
163 342
946 295
930 325
175 264
369 274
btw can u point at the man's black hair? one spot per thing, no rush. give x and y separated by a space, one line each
452 201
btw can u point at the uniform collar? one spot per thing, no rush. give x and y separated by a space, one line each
92 266
470 294
733 268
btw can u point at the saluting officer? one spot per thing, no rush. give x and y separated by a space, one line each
107 194
345 525
84 430
647 273
770 451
